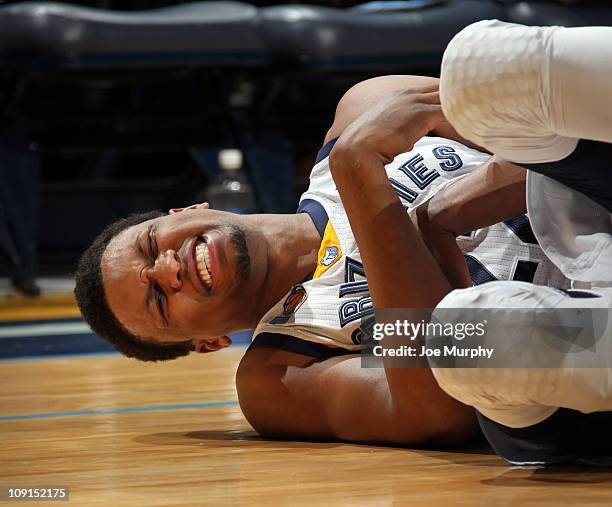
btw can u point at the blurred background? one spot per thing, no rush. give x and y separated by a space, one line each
116 106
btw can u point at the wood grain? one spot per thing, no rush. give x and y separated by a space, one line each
210 455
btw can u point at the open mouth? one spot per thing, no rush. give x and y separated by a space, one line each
202 258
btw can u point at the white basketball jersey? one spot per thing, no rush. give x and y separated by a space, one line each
328 308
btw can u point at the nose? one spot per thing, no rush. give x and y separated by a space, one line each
167 271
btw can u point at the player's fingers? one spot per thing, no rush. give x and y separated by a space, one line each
431 97
425 118
430 88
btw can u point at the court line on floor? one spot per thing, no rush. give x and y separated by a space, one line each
151 408
82 355
48 357
46 329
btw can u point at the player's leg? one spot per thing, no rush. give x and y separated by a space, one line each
529 93
566 437
520 407
578 86
579 378
539 96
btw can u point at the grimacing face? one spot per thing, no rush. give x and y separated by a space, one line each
155 286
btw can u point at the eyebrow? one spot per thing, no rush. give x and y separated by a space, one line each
138 245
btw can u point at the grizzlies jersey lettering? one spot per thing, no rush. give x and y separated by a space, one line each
327 309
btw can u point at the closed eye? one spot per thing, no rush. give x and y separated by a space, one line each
160 297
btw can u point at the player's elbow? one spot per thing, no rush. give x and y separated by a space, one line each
440 433
351 157
251 387
271 408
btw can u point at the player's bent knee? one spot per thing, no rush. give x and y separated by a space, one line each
496 101
504 394
464 384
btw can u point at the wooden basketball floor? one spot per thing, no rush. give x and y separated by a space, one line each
121 433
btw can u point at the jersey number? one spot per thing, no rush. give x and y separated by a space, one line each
524 271
355 308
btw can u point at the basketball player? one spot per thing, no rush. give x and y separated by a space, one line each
159 286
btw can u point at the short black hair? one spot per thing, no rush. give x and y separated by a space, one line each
91 298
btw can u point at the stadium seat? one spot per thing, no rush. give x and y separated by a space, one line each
44 35
373 40
556 13
97 93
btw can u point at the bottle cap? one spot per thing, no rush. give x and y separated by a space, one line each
230 159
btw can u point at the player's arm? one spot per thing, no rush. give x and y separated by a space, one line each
395 258
287 395
491 194
401 270
368 93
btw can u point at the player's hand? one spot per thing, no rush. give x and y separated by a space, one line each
442 243
393 125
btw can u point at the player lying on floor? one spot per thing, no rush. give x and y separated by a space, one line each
159 286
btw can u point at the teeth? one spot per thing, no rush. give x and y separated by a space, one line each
203 261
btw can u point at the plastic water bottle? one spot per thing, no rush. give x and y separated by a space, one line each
231 190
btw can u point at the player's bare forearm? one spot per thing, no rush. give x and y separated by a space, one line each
491 194
290 396
401 271
386 115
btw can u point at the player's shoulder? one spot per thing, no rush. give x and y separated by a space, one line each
270 353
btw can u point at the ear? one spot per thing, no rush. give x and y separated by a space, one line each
203 205
204 346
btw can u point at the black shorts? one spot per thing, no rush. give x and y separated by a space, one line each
586 169
567 437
